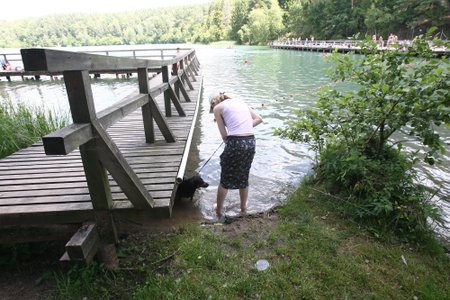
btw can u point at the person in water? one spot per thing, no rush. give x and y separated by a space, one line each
235 121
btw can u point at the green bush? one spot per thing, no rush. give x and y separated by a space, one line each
381 191
352 133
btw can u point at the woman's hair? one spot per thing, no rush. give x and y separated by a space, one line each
217 99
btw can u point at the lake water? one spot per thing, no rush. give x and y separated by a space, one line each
275 83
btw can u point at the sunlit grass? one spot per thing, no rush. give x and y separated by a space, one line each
314 253
21 125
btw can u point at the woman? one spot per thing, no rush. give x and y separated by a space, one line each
235 121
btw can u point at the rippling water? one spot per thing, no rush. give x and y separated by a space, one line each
274 82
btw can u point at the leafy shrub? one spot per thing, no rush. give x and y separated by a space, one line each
351 131
382 191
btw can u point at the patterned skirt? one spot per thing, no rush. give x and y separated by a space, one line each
236 160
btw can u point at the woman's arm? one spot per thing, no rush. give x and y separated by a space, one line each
255 117
218 109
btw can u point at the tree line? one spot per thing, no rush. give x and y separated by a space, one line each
243 21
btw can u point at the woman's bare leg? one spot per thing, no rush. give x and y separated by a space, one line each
221 194
243 194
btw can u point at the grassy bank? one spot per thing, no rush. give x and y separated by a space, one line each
22 125
313 253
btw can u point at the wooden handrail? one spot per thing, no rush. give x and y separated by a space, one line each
41 59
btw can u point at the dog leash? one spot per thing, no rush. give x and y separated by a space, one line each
210 157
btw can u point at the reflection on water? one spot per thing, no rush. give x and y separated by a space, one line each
274 82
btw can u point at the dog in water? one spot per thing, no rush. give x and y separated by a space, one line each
188 186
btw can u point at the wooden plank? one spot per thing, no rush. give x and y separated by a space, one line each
60 196
70 138
152 184
35 59
17 180
38 233
83 245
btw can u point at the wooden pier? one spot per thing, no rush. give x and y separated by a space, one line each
342 46
122 163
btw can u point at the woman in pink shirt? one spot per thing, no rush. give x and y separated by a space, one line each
235 121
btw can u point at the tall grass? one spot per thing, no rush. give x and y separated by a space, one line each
22 125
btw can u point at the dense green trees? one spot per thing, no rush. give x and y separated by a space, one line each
243 21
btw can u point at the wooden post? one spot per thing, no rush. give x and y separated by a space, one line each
81 103
146 109
182 70
177 84
165 78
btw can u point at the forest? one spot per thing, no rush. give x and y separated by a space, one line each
253 22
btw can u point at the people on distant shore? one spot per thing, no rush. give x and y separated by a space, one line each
381 41
392 40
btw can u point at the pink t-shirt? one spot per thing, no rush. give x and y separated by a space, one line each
237 117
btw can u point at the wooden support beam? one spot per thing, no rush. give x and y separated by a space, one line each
84 244
176 102
96 176
147 115
191 73
183 90
120 170
160 121
176 84
165 79
186 79
193 68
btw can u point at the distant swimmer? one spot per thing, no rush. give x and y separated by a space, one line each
245 61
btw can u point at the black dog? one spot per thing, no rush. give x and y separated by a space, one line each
187 188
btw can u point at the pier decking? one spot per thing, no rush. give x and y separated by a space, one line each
125 161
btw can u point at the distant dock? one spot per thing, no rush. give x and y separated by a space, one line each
343 46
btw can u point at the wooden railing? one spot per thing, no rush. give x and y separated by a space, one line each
88 132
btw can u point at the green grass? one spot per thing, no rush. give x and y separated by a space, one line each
314 253
21 126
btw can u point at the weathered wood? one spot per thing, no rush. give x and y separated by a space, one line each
165 79
191 72
37 233
120 170
83 245
183 90
176 102
186 79
161 122
38 189
184 159
147 115
35 59
67 139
